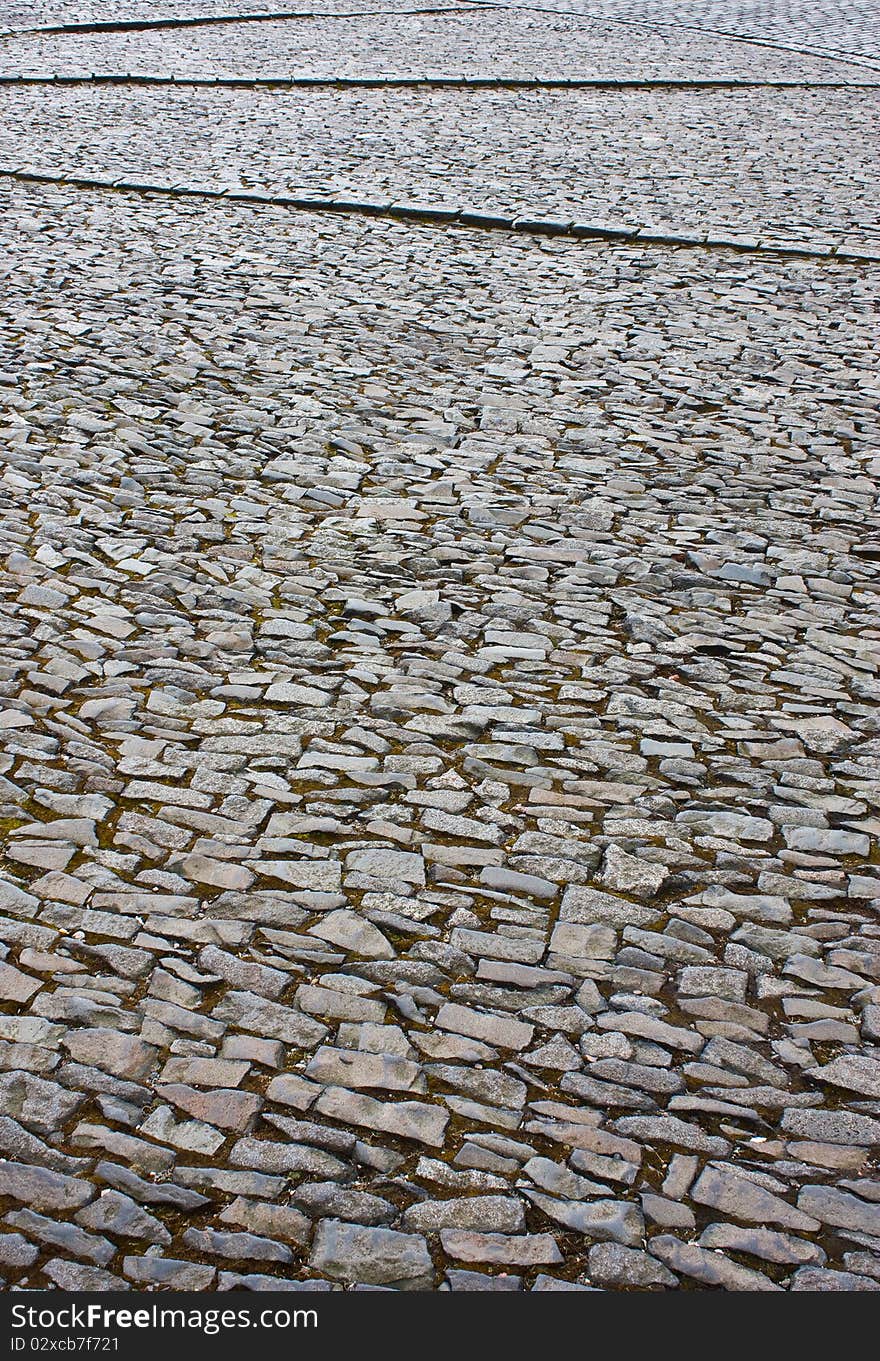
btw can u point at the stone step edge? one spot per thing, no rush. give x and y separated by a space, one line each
202 20
443 215
418 82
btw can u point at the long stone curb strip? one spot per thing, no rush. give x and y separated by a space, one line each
451 216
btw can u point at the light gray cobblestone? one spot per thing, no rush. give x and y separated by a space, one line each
438 686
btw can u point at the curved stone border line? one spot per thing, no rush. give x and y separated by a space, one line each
823 53
194 21
200 20
282 83
450 216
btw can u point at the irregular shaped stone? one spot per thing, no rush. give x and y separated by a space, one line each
624 873
821 1278
249 1012
401 866
78 1276
269 1221
118 1214
124 1056
840 1209
265 1155
223 1108
41 1189
43 1105
853 1072
500 1214
16 1251
504 1031
668 1129
352 1068
16 986
168 1271
610 1264
371 1256
767 1244
239 1247
353 934
618 1221
497 1249
93 1247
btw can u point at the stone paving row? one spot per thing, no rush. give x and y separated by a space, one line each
494 42
446 215
789 166
30 13
439 774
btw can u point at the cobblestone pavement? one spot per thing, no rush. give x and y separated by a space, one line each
439 739
782 165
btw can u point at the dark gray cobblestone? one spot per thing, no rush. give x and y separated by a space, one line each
279 654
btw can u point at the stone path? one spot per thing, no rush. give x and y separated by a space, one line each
438 684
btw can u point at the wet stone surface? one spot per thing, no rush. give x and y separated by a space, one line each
438 748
